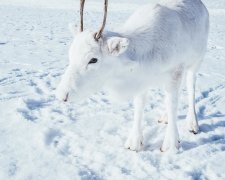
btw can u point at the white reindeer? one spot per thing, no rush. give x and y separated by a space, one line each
154 48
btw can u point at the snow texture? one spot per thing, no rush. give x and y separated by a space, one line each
43 138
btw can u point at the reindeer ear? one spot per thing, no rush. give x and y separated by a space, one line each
117 45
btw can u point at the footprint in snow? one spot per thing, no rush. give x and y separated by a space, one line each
52 136
56 139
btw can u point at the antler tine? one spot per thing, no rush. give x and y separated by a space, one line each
81 15
99 33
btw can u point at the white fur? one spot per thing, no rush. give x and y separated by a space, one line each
155 47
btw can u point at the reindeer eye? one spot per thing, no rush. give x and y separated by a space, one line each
93 60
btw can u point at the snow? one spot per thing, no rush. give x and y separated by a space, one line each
42 138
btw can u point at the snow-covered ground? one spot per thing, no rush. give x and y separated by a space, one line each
42 138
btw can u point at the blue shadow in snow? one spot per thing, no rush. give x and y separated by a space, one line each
35 104
87 174
205 128
26 114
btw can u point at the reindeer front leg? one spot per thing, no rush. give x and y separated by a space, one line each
135 138
171 140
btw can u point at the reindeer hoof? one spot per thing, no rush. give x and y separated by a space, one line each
193 131
134 142
162 122
193 127
163 119
170 150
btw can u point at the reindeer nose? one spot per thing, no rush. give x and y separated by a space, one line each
67 95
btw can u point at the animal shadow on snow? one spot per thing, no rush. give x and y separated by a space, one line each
215 138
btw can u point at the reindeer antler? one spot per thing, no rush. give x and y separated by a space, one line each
81 15
99 33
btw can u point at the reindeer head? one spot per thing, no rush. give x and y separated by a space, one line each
88 66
